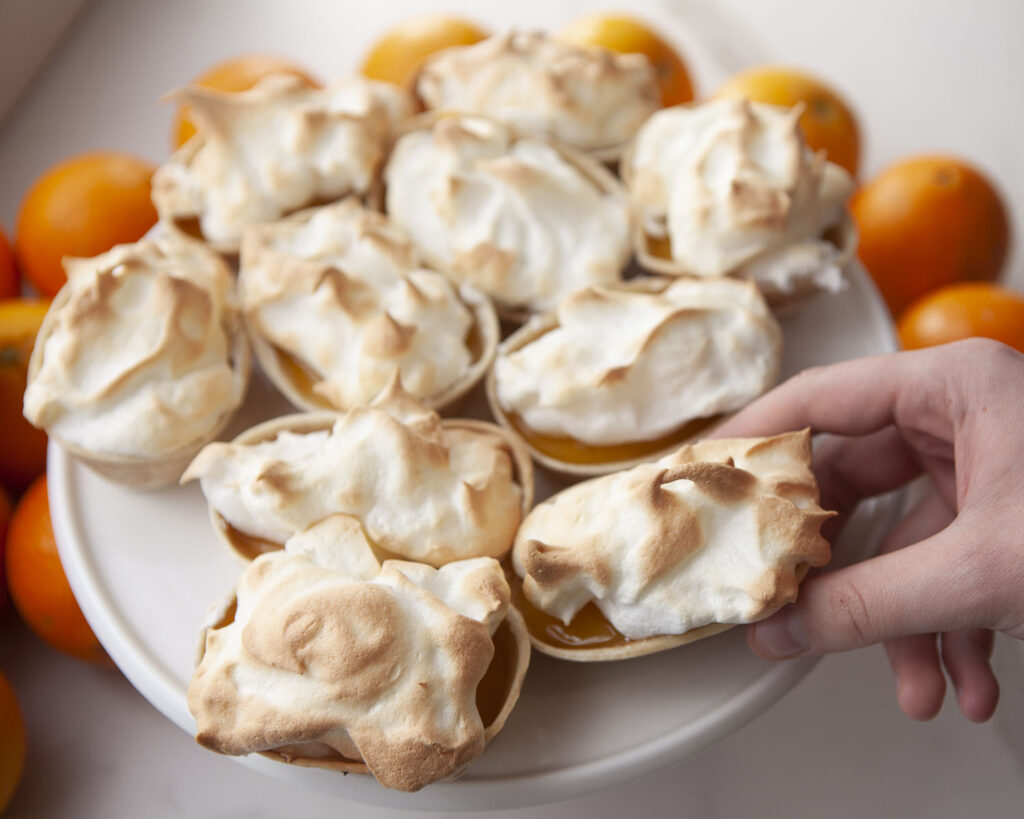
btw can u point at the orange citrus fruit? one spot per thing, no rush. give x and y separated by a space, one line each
22 446
827 121
5 518
37 583
233 75
627 35
964 310
81 207
397 56
9 284
12 743
928 221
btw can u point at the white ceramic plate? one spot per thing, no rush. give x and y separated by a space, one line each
145 567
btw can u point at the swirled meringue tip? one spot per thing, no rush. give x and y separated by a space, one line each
337 303
732 188
279 147
140 360
716 534
589 98
425 489
330 658
523 219
637 363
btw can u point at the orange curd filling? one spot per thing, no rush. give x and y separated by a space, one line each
570 450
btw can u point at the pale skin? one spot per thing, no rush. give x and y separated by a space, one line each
951 572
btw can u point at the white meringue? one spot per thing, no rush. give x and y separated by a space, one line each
332 658
523 220
733 186
589 98
274 149
423 491
628 365
339 289
137 357
718 532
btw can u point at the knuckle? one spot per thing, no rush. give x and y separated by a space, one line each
850 613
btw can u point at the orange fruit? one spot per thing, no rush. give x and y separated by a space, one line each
81 207
37 583
12 743
964 310
828 122
5 519
397 56
22 446
928 221
9 284
233 75
627 35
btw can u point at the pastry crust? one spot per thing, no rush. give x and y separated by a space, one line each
716 534
142 410
318 660
372 265
618 455
486 505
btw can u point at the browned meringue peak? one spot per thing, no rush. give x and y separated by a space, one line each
339 291
526 220
330 658
719 532
269 151
730 188
142 355
590 98
425 489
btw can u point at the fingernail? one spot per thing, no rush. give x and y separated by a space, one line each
779 637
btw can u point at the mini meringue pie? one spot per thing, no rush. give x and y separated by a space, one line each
524 219
729 187
275 149
719 533
425 489
336 304
327 657
591 99
623 374
141 360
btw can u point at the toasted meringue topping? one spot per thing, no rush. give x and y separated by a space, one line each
340 290
422 491
591 99
516 216
635 366
281 146
331 654
137 356
714 533
732 184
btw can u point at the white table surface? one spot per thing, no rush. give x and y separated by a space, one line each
941 76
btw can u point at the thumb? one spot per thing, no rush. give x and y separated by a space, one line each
921 589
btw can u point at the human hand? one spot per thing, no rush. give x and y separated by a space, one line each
954 565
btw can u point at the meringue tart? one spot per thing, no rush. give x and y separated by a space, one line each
326 656
729 187
621 375
141 360
522 218
336 303
590 99
426 489
716 534
280 147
